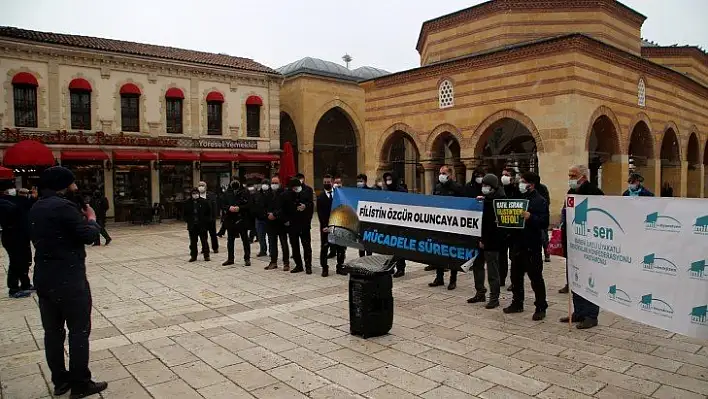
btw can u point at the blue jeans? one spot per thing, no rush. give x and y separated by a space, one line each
261 232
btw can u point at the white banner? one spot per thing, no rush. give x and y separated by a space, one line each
642 258
422 217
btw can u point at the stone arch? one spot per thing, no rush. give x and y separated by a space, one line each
42 98
671 158
66 102
604 144
186 114
506 114
226 129
385 139
693 158
669 127
334 147
444 147
438 131
144 127
348 111
607 113
399 152
289 132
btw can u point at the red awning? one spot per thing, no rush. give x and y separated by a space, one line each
80 84
96 155
130 88
252 157
24 78
28 153
218 157
215 96
254 100
134 156
174 93
6 174
183 156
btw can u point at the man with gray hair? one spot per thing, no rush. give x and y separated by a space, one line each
586 312
213 203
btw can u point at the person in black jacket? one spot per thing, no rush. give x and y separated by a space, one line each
197 214
392 183
275 227
378 184
297 210
473 189
259 214
543 190
511 190
324 209
450 188
491 241
60 230
526 249
215 211
585 312
636 187
362 182
251 224
99 203
236 202
14 219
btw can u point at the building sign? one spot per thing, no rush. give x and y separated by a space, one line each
8 135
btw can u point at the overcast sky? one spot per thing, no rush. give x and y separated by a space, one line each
380 33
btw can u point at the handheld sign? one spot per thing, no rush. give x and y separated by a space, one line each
510 213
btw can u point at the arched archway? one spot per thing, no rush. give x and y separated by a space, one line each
694 176
445 150
289 133
641 154
400 155
604 156
670 156
335 148
507 142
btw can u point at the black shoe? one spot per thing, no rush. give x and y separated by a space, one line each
492 304
399 273
429 268
89 389
216 250
193 259
511 288
261 254
564 290
573 319
586 323
61 389
341 271
513 309
538 315
452 285
478 298
247 262
332 255
437 282
206 258
228 262
108 241
297 269
308 270
547 259
325 272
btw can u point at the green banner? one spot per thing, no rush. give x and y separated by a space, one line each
510 213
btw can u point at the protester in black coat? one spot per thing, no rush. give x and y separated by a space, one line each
236 206
60 231
275 226
197 214
215 211
543 191
298 208
324 209
446 187
511 189
14 219
390 182
260 217
526 249
490 242
99 203
473 189
362 182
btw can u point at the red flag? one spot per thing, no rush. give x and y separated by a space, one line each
287 164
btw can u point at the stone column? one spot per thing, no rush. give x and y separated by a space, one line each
108 191
683 182
429 177
154 183
554 167
614 174
703 181
194 103
656 171
459 171
307 164
54 97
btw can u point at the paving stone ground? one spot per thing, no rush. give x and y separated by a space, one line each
165 328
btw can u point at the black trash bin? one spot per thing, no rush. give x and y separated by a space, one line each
370 295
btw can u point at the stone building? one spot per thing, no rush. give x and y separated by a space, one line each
542 85
142 123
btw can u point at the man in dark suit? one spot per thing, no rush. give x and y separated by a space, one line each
197 214
236 206
324 208
298 208
99 203
215 211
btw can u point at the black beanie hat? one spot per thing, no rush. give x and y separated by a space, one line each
294 182
491 180
56 178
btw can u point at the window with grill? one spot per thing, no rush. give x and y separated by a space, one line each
25 101
253 120
130 112
446 94
214 117
174 115
641 93
80 109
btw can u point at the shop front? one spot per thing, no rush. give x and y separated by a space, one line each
216 169
254 167
176 181
132 185
27 159
88 168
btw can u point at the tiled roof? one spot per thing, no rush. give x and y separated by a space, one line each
140 49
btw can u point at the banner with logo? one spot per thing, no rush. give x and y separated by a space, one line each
642 258
435 230
510 212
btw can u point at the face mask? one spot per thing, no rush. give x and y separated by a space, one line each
265 187
573 183
12 192
486 190
523 187
251 189
633 187
195 196
379 184
297 189
327 186
478 180
201 189
443 178
506 180
275 186
360 184
389 182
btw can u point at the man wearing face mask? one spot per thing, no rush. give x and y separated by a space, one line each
526 249
378 184
236 203
14 218
361 182
511 191
273 202
214 205
636 188
260 216
390 181
324 209
251 225
490 242
449 188
197 214
60 231
585 312
473 189
297 208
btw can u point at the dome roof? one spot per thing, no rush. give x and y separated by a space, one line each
316 66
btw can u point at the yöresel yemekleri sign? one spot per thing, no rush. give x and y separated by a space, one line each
442 231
